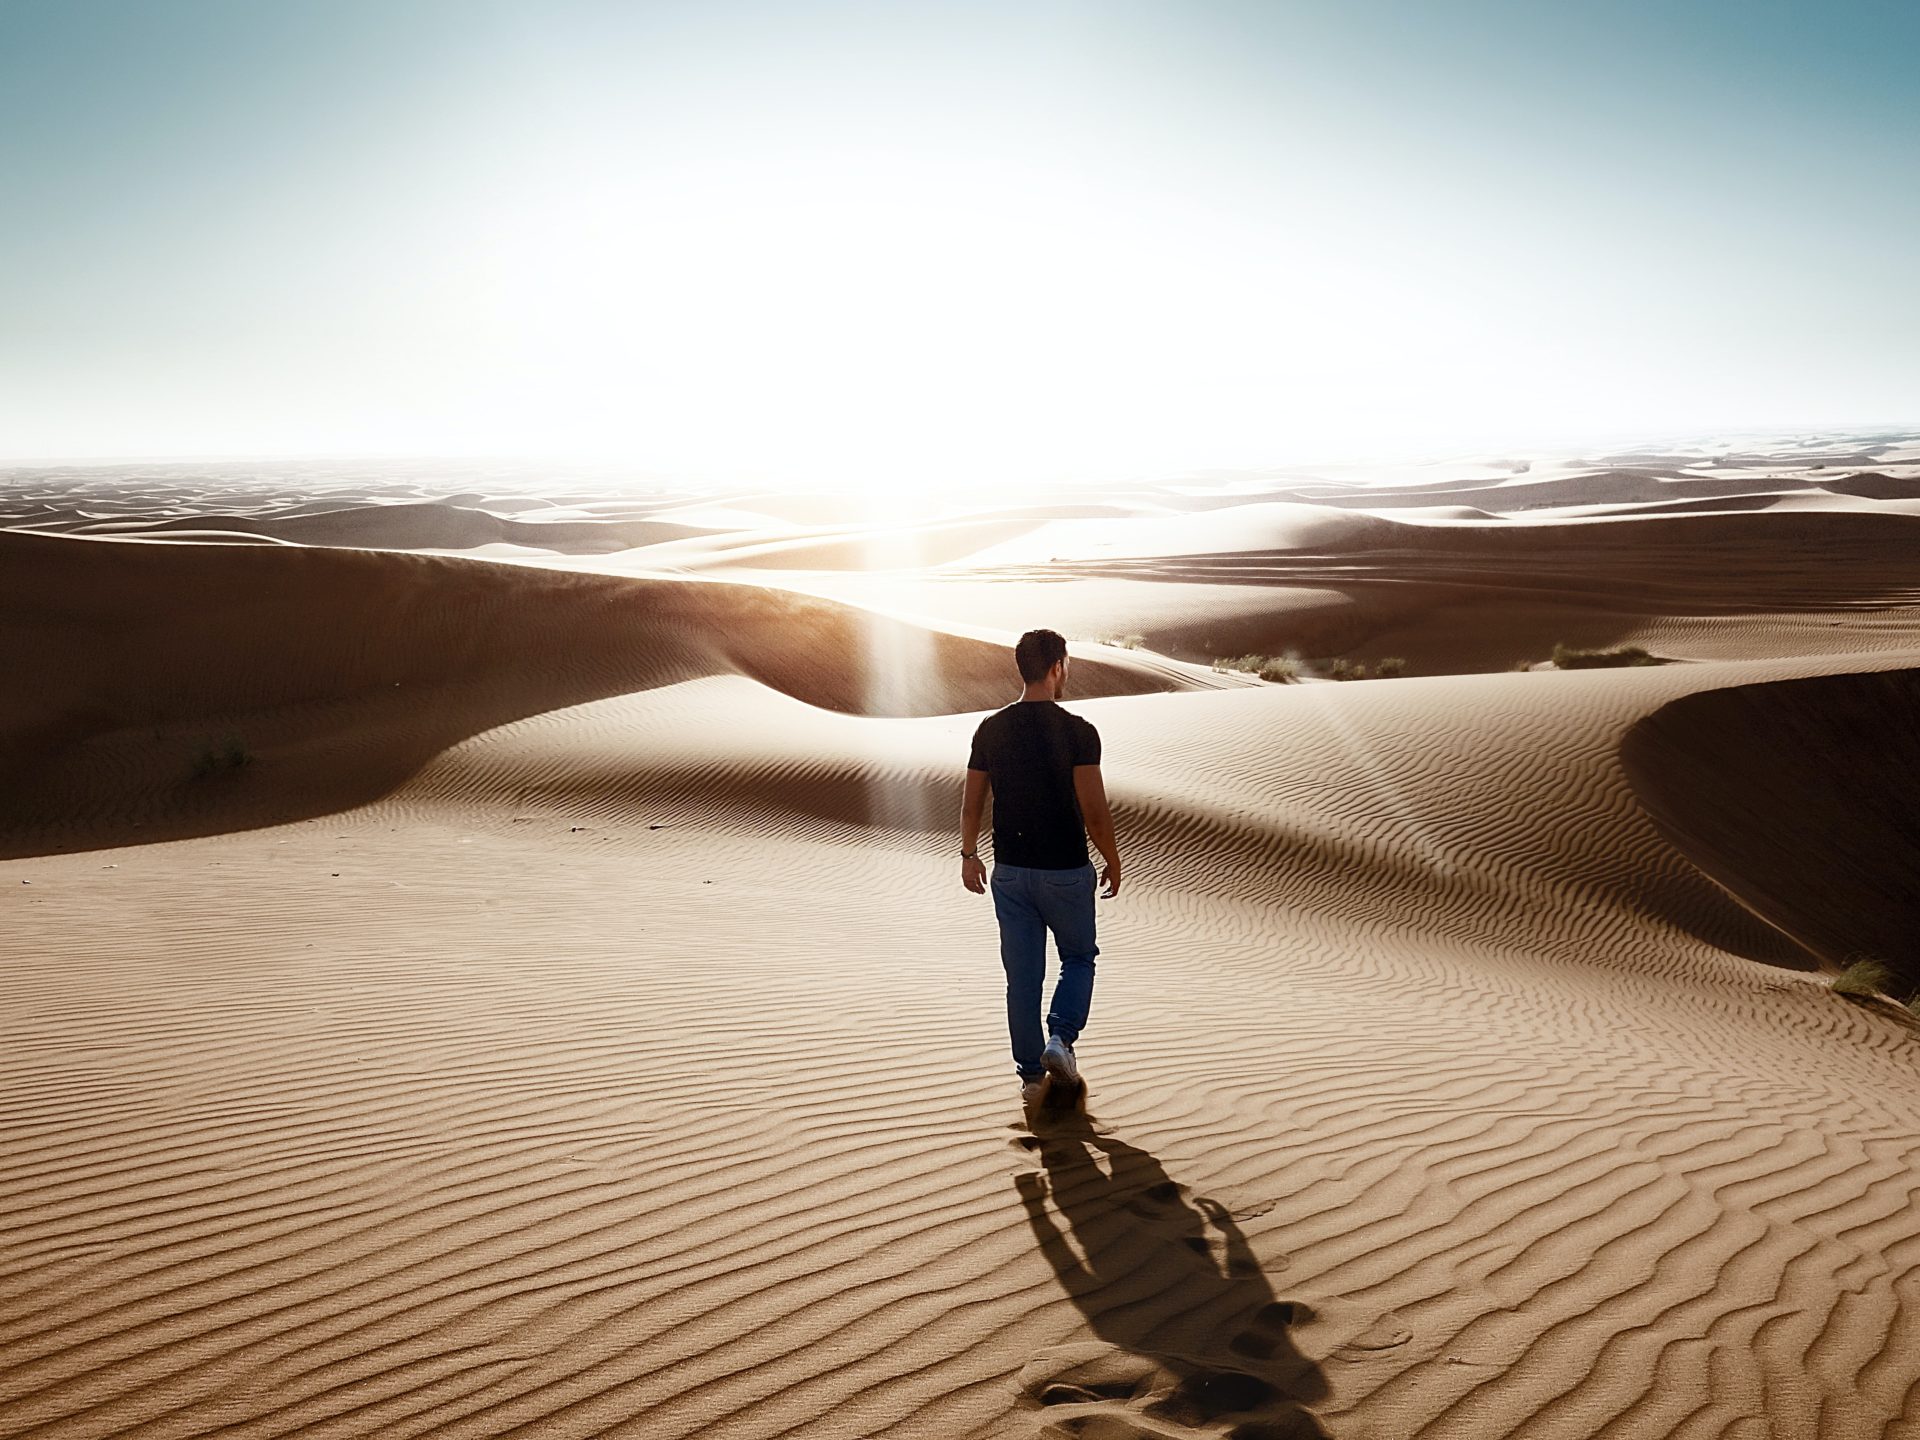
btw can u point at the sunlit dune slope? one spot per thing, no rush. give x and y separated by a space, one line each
1802 798
340 671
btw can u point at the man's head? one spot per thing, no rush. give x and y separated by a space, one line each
1042 658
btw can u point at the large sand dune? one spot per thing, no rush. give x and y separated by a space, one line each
570 1022
341 672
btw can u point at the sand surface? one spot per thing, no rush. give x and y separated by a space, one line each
528 991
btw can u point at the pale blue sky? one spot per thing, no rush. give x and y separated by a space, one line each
928 242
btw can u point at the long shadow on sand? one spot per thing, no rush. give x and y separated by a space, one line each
1192 1337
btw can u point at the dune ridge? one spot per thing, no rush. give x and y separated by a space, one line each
344 671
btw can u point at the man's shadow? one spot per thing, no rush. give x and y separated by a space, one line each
1203 1336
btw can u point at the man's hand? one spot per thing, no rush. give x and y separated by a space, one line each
1091 791
973 873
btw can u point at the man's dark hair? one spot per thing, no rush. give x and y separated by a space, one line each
1038 652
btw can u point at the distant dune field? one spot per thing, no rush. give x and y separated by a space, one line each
486 962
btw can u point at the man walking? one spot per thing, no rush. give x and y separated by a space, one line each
1042 765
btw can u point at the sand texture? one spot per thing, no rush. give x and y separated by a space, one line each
520 994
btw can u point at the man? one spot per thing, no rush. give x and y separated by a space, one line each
1042 765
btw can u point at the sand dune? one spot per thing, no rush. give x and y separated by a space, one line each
1873 486
1457 598
870 547
400 527
342 672
569 1022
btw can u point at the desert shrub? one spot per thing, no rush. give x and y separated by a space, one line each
1391 668
1865 977
1344 669
1125 642
1567 658
1281 669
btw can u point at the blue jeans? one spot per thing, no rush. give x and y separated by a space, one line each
1029 903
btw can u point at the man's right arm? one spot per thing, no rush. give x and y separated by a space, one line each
1092 793
973 803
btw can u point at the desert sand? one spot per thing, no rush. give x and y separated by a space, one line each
484 956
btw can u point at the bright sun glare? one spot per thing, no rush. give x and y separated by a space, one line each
863 322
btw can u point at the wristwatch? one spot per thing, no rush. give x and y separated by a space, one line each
969 854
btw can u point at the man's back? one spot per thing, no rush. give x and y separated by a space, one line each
1028 751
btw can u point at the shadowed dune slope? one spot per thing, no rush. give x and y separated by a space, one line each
1473 597
340 672
1874 486
1803 799
1667 563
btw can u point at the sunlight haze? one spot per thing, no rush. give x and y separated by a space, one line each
933 244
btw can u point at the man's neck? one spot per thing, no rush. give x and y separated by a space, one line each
1034 695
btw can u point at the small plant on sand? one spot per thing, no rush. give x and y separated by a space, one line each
1125 642
1567 658
1865 978
230 755
1344 669
1391 668
1281 669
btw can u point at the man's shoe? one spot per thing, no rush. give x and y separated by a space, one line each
1058 1058
1030 1090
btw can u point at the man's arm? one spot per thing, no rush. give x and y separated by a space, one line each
1092 791
973 871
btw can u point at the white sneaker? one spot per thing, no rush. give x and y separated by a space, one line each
1058 1058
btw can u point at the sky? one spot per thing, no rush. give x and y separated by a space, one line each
922 244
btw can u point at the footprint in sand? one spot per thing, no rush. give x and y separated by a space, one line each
1385 1333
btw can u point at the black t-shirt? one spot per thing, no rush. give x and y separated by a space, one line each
1029 750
